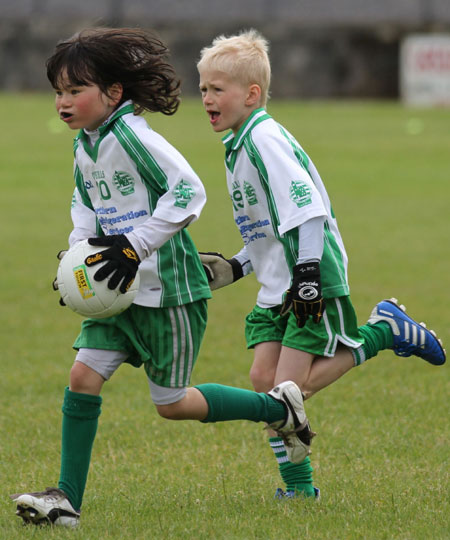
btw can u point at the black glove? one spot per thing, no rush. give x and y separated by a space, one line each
55 281
123 261
220 271
304 294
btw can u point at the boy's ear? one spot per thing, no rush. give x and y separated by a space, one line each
253 95
115 92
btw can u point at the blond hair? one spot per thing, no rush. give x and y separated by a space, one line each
244 57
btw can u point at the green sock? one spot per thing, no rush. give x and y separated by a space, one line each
229 403
296 476
377 337
79 426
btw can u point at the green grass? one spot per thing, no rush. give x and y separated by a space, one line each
381 457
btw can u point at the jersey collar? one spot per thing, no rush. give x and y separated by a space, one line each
234 142
126 108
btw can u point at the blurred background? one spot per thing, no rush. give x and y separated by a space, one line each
369 64
319 48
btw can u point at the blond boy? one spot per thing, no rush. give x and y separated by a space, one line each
303 327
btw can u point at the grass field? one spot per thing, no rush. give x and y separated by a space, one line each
381 457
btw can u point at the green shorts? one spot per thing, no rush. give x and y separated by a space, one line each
338 325
165 340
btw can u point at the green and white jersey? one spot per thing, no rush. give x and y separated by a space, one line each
130 180
275 188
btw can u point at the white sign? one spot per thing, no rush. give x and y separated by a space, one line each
425 69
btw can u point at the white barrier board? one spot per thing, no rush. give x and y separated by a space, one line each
425 69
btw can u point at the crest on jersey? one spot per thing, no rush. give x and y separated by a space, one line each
300 193
124 182
183 193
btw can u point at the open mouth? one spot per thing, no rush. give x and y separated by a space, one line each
65 115
213 116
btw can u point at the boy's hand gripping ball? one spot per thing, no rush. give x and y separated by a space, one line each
82 293
122 261
304 296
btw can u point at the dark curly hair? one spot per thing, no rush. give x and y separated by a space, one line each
133 57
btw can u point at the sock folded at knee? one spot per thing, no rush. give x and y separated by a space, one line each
79 427
229 403
78 405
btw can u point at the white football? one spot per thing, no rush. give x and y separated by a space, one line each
81 293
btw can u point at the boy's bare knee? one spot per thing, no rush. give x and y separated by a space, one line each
171 411
193 406
85 380
262 380
77 376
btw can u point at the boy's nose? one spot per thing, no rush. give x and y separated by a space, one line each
64 100
206 98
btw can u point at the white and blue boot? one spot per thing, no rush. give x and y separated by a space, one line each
292 494
410 337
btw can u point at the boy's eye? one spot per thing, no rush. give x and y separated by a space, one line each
216 89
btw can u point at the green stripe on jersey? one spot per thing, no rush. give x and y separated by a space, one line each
146 164
172 269
79 182
290 239
300 154
332 267
256 160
